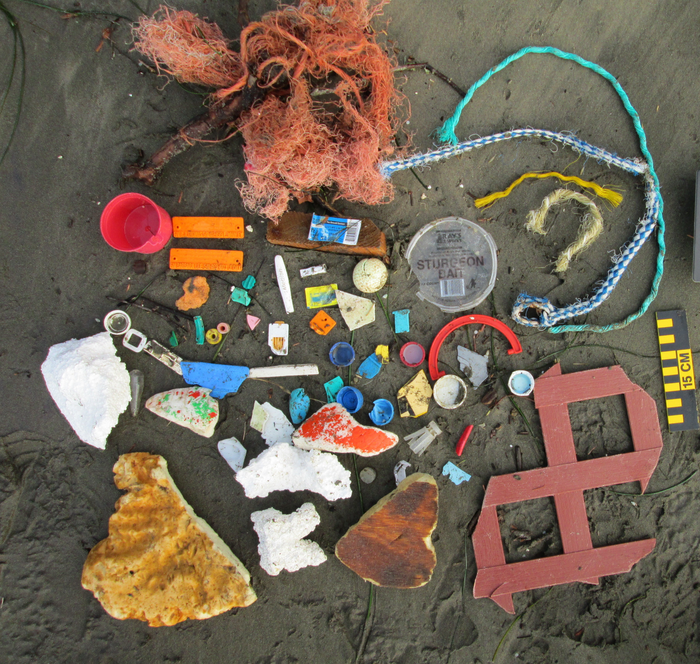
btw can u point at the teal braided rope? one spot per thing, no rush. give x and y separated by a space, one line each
447 134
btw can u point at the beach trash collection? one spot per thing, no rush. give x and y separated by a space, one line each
454 261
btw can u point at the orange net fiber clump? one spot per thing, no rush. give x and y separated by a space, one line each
329 114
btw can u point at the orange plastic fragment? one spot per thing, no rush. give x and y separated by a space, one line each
196 293
214 260
217 227
322 323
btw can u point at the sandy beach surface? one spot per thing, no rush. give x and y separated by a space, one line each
91 106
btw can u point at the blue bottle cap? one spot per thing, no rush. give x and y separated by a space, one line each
350 398
382 413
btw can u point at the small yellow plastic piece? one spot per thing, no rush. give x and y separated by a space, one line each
213 336
382 353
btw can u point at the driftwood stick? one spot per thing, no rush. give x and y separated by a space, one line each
218 116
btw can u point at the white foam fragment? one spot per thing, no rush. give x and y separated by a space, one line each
272 423
89 384
282 545
283 467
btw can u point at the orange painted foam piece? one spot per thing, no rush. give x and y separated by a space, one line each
214 260
333 429
210 227
322 323
565 479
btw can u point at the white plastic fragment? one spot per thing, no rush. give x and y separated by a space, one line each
473 365
286 468
283 283
419 440
368 475
233 452
272 423
282 546
356 311
278 338
89 384
400 471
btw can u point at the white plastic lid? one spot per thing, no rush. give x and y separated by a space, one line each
455 262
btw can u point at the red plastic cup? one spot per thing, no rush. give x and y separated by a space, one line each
133 222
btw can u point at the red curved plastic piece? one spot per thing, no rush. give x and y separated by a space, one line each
515 346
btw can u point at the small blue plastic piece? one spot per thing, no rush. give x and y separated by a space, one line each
248 282
332 388
342 354
382 413
456 475
240 295
199 330
401 323
221 379
351 399
370 367
299 403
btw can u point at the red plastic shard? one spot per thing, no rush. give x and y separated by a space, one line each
565 479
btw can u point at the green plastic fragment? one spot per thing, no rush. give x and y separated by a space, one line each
240 295
199 330
248 282
332 388
174 343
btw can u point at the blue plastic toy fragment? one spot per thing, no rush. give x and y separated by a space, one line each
332 388
248 282
382 413
401 323
221 379
370 367
456 475
240 295
199 330
299 403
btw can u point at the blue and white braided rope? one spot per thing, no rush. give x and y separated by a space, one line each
549 316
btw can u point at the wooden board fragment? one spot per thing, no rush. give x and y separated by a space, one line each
292 230
391 544
565 479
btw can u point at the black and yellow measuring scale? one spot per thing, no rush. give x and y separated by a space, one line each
677 370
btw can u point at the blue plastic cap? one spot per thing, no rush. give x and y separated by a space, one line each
342 354
351 399
382 413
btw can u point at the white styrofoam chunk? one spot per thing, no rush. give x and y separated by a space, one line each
284 467
89 384
233 452
282 545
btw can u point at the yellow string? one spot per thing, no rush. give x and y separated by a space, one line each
608 194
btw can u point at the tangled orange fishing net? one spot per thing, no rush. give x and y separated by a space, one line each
329 113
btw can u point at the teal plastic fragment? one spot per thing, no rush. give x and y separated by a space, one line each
174 343
332 388
248 282
370 367
221 379
299 404
240 295
456 475
401 323
199 331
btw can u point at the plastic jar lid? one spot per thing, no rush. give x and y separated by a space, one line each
521 383
450 391
455 262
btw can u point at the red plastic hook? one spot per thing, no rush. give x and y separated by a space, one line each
515 346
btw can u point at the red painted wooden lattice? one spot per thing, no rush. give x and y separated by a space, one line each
565 479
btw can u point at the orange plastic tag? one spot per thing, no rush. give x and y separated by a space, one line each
213 260
216 227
